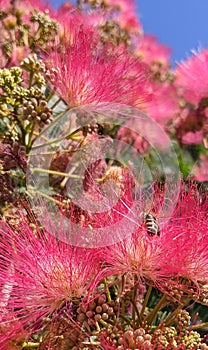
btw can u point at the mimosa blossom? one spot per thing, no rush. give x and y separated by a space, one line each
200 170
191 77
41 277
47 275
164 105
152 51
87 71
179 253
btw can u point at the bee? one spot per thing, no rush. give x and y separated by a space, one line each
151 225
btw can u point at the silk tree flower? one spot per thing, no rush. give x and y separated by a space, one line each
124 15
68 12
130 23
184 240
177 259
122 5
191 125
132 137
106 205
90 72
163 107
187 232
153 52
139 256
191 138
115 22
12 334
47 276
191 77
200 169
164 104
191 82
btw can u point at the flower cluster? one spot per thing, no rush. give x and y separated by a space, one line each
136 296
101 245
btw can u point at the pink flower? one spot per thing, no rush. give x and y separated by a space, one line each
164 105
124 15
153 52
67 12
191 77
132 137
121 13
200 170
40 5
138 256
143 134
191 125
185 239
108 200
178 254
122 5
47 274
89 72
192 138
130 23
12 332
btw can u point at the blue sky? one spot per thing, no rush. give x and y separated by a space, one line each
180 24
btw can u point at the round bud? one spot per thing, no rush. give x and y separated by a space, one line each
98 309
105 316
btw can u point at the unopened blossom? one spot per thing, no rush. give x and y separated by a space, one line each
13 156
26 22
45 276
87 71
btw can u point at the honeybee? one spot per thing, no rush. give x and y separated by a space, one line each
151 225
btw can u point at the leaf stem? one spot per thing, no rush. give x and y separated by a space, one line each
145 302
107 290
133 301
160 305
171 317
200 325
56 103
44 195
30 345
135 308
53 172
